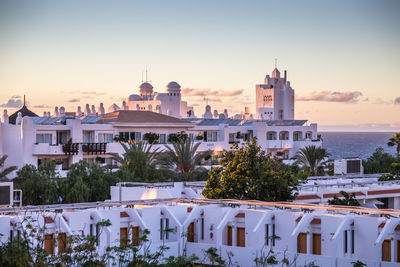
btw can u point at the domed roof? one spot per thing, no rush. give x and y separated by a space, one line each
173 85
145 86
134 97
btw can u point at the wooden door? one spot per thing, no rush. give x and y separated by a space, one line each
48 244
190 232
240 237
316 244
229 236
386 250
302 243
123 235
135 236
62 242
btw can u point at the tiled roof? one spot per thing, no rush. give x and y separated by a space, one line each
24 112
136 116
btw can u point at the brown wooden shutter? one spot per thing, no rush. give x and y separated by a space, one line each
302 243
398 250
190 231
240 237
49 244
135 236
386 250
316 244
62 242
123 235
229 235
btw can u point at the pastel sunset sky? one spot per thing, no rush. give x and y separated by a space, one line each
342 57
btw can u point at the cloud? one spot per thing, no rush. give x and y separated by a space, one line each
41 106
74 100
397 101
329 96
12 103
16 97
92 93
208 92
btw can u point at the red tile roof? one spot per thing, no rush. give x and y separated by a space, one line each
305 197
137 116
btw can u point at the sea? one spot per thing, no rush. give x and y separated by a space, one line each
355 144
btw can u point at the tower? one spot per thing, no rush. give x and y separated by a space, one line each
275 98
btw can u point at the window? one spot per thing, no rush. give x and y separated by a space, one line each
61 137
210 136
273 235
105 138
345 241
43 138
352 241
164 229
162 139
202 228
88 136
134 136
267 234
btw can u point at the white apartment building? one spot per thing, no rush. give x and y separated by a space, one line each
68 137
323 235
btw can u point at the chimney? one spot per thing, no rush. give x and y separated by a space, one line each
285 77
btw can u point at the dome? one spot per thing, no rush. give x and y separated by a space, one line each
134 97
173 85
146 86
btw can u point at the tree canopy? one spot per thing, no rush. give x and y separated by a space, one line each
247 172
379 162
312 159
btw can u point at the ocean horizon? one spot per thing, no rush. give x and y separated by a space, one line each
355 144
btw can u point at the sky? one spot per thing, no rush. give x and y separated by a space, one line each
342 57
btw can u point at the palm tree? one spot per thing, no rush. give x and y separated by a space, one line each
6 171
395 141
133 150
311 158
182 156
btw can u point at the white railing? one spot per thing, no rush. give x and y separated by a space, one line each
47 149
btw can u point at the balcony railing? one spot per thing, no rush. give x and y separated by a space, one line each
71 148
94 148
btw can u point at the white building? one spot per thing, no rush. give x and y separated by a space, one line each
275 98
168 103
323 235
68 137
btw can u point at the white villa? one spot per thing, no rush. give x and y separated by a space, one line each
323 235
68 137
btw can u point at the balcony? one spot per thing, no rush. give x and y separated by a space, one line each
94 148
70 148
278 144
47 149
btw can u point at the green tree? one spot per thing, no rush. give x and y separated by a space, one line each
312 159
395 141
246 172
137 162
6 171
182 156
38 185
86 182
348 200
379 162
